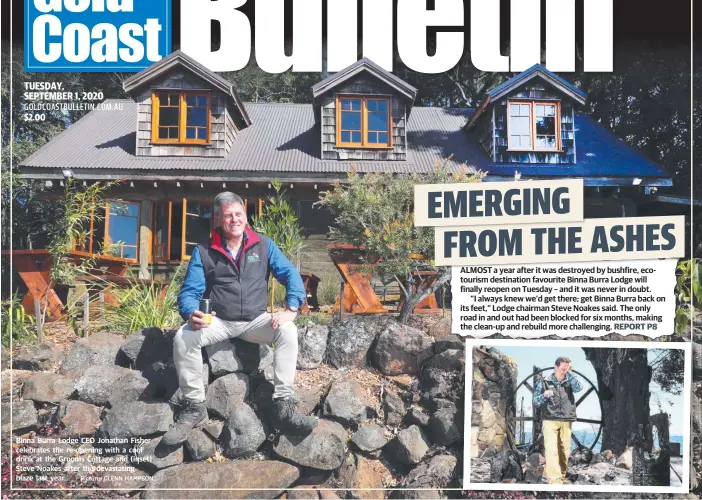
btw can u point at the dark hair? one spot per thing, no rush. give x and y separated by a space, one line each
562 359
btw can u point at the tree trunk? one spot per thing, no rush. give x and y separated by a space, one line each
623 378
411 301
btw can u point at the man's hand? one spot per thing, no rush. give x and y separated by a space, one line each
548 394
282 317
197 321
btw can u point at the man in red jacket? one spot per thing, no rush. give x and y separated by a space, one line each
233 273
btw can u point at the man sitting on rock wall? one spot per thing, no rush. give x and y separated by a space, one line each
233 273
555 395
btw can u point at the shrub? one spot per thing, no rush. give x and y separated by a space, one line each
16 323
328 289
148 305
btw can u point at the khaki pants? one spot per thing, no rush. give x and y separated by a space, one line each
557 448
188 344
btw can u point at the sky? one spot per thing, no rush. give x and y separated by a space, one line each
545 356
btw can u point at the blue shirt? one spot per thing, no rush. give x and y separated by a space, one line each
540 399
195 284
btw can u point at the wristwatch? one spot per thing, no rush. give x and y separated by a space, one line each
292 308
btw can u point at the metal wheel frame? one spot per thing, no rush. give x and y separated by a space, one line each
593 388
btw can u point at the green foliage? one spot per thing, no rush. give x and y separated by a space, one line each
77 208
318 318
689 292
146 305
376 211
276 294
279 222
668 369
328 289
16 323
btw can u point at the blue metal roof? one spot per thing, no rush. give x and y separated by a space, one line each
599 153
527 74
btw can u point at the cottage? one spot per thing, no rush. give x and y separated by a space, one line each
185 135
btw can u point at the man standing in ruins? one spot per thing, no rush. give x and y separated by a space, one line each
232 272
555 395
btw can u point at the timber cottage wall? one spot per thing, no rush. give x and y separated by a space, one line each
534 91
223 128
370 88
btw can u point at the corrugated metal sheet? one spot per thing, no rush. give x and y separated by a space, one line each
599 154
284 138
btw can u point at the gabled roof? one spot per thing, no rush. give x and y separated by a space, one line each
538 71
360 66
180 59
285 141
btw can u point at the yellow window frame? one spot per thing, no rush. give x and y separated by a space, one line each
364 123
532 125
106 241
182 116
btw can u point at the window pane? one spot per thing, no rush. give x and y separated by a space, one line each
351 104
382 105
550 110
123 229
345 136
163 133
526 141
514 109
383 137
351 121
372 137
168 116
191 100
546 125
202 133
519 125
173 100
525 109
173 132
190 132
356 137
377 121
372 105
202 101
197 229
122 208
545 142
197 117
129 252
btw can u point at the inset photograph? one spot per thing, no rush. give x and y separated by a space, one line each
580 416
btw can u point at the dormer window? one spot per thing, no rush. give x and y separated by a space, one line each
533 125
363 122
180 117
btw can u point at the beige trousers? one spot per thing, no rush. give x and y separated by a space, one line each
188 344
557 448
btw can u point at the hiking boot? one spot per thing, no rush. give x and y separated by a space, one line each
287 419
190 416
